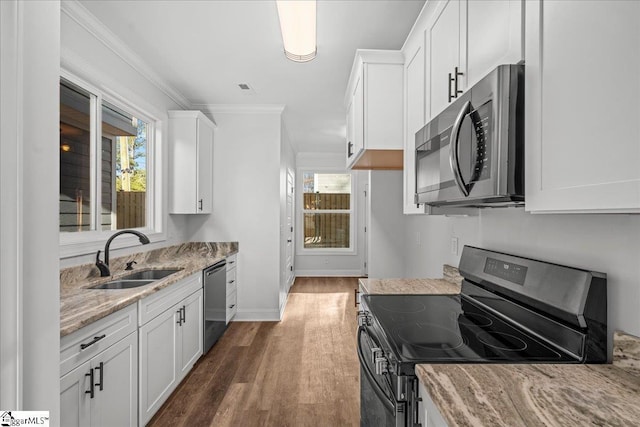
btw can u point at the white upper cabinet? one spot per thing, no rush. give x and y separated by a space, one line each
445 43
465 40
375 110
191 162
414 77
582 111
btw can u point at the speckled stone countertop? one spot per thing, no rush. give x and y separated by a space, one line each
449 284
80 306
539 395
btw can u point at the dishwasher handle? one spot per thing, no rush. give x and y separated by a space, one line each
215 268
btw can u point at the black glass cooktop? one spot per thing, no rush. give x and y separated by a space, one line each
450 328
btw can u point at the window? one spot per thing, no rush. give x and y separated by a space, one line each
327 211
106 180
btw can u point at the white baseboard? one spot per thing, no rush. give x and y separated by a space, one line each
257 315
328 273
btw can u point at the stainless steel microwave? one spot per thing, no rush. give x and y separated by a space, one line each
472 154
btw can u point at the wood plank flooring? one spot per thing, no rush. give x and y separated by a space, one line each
302 371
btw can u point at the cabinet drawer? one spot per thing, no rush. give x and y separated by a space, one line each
163 300
231 281
96 337
232 306
232 261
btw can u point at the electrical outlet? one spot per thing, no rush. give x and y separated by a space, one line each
454 246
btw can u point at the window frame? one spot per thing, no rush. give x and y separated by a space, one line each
300 249
87 242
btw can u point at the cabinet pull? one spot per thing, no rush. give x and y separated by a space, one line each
231 282
232 305
200 204
184 314
450 81
231 262
90 392
179 322
350 149
92 342
101 369
355 296
456 91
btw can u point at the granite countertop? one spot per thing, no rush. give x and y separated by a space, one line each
449 284
80 306
539 394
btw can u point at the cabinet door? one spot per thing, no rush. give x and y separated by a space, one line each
358 118
190 333
494 36
443 44
158 343
581 93
75 408
116 384
204 185
415 119
350 132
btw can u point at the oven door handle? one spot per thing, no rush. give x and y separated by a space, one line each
388 404
454 146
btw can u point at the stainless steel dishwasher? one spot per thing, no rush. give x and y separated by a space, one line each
215 298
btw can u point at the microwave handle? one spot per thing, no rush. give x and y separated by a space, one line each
453 148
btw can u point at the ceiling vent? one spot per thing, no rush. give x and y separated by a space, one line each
245 89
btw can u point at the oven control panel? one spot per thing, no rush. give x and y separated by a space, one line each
512 272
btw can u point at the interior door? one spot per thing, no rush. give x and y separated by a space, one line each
290 227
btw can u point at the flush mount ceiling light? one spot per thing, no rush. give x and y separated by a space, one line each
298 26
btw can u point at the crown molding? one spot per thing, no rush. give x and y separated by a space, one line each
76 11
241 108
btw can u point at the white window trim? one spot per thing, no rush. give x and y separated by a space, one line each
87 242
300 249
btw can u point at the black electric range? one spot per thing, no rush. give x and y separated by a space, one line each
510 310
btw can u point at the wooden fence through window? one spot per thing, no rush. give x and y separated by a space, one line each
131 209
326 230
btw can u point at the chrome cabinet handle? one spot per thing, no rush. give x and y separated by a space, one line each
453 148
92 342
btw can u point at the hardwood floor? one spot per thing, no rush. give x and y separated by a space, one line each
302 371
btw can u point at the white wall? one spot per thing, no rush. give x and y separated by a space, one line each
330 265
91 52
606 243
29 185
246 205
386 225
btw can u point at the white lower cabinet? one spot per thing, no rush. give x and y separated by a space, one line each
103 391
169 346
428 414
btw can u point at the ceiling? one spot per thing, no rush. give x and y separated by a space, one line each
204 49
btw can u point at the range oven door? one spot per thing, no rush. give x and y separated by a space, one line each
378 403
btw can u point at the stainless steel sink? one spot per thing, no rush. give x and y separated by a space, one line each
149 274
122 284
134 280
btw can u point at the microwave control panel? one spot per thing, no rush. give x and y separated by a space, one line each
481 124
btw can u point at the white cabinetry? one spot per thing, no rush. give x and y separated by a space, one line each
232 288
581 94
375 110
465 40
428 414
414 77
191 162
99 383
170 341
